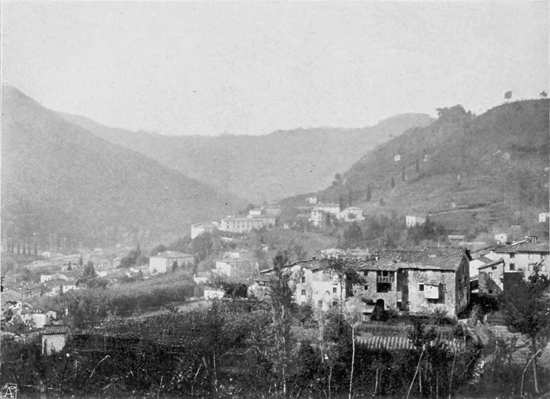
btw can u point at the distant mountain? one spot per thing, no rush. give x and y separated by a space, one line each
469 172
260 168
63 185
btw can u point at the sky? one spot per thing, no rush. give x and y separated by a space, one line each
251 68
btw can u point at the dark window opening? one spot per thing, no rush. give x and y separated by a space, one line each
383 287
420 287
512 266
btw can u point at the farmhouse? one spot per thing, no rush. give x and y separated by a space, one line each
418 282
410 282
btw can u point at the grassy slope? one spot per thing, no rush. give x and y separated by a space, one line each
491 168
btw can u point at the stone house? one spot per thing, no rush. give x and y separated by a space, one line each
417 282
410 282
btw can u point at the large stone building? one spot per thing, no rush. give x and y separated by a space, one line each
410 282
245 224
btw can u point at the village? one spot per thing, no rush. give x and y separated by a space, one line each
390 285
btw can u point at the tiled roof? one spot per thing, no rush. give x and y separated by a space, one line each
427 259
393 260
51 330
525 247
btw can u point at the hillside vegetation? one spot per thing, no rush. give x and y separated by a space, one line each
260 168
62 184
466 171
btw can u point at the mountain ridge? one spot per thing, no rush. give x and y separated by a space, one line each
50 167
263 167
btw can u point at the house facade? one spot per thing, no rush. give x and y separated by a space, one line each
418 282
524 256
165 261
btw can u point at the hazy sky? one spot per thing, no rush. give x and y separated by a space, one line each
249 68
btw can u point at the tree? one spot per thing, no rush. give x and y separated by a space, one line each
158 249
281 304
543 94
527 310
353 314
508 95
89 270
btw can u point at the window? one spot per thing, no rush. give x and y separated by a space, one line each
366 287
334 290
420 287
334 303
512 255
303 279
304 292
383 287
512 266
319 303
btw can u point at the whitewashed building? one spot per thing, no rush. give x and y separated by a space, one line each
200 228
411 220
